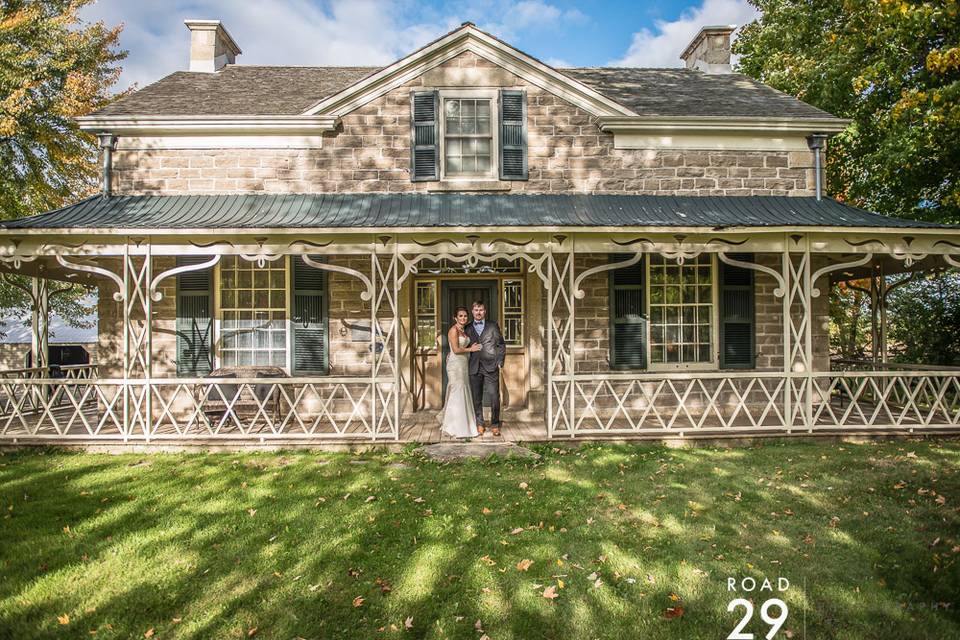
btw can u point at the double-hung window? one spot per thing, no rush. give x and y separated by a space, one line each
253 313
694 314
468 139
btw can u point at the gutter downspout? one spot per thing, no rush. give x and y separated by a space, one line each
816 143
108 143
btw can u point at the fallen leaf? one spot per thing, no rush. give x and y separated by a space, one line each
252 632
517 531
148 633
370 498
64 619
252 512
524 485
486 511
358 601
524 564
550 592
675 597
489 562
408 623
673 612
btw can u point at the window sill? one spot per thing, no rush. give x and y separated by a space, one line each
469 185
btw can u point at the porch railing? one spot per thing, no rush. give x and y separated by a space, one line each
717 403
185 409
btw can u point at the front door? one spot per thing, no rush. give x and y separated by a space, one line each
462 293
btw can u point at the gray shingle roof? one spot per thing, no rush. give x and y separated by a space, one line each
306 211
684 92
273 91
237 90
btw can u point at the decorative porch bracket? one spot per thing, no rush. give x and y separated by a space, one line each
156 295
953 262
119 295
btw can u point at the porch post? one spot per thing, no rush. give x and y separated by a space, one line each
137 340
40 323
385 342
560 380
798 332
571 291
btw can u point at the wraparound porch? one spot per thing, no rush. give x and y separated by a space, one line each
134 400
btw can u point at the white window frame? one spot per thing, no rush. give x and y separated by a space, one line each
218 317
714 363
472 94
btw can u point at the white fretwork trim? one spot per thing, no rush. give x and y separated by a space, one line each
815 291
100 271
157 295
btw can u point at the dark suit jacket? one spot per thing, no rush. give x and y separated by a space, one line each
493 349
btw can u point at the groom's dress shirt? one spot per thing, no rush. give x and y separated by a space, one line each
478 326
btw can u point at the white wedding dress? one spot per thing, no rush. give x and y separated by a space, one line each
457 418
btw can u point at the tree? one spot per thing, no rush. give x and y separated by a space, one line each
53 67
924 318
893 68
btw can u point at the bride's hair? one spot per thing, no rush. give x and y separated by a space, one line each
457 311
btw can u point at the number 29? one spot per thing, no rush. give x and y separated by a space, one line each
775 623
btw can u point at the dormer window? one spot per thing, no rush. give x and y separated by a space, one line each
468 138
468 135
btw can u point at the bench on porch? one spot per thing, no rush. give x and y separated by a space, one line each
218 400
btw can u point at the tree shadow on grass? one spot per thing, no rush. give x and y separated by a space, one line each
648 521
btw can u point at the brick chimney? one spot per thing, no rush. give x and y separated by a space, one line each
211 47
709 51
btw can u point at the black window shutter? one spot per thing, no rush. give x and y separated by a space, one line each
424 135
513 135
310 341
628 320
194 326
737 332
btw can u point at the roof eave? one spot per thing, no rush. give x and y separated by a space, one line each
721 124
192 125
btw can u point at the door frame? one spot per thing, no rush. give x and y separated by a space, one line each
492 285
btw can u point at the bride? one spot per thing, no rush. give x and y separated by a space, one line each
458 418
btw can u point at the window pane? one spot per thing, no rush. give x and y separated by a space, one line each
253 313
681 311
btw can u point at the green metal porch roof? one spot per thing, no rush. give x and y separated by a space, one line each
368 211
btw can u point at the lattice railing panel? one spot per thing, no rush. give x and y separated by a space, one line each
254 409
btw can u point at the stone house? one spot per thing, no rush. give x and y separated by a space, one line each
653 242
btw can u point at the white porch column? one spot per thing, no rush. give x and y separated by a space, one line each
385 338
137 337
560 313
798 332
40 323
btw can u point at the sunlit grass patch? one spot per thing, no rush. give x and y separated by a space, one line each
607 541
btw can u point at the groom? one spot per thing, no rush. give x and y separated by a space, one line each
485 365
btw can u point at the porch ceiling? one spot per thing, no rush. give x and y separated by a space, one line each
450 210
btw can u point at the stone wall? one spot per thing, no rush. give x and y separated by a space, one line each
370 152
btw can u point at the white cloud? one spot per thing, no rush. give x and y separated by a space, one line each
306 32
662 46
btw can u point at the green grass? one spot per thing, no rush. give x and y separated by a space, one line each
122 545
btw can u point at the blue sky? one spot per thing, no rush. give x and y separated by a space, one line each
376 32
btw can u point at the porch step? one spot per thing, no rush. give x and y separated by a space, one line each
450 451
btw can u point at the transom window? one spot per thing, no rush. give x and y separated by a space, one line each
468 137
681 310
253 313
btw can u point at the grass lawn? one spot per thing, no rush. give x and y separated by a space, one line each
636 542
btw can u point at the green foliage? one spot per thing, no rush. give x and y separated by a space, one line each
850 320
925 320
53 68
893 68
